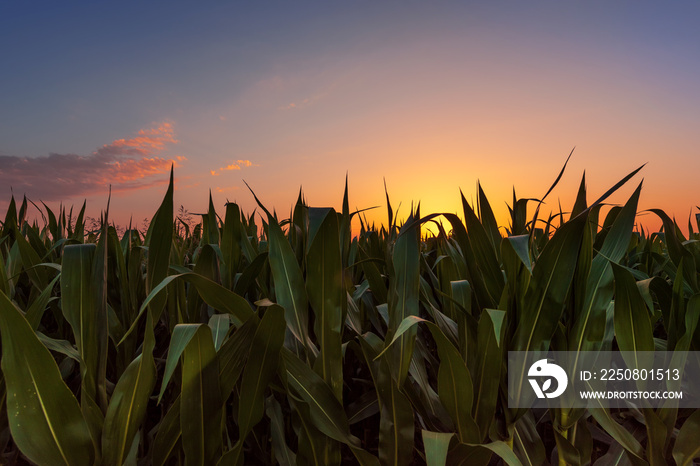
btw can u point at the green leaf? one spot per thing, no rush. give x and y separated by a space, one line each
250 274
232 357
656 437
687 447
127 407
159 239
38 306
79 231
201 407
80 302
366 406
289 283
521 247
219 324
581 203
181 336
467 454
485 253
60 346
283 454
586 332
632 325
169 433
376 282
260 369
4 283
258 372
30 260
504 451
311 449
455 386
230 245
589 322
487 375
619 434
9 226
210 234
544 300
475 277
44 416
404 297
234 354
527 443
325 410
488 220
324 285
396 425
405 325
679 254
436 445
211 292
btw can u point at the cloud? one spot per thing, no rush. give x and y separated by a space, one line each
233 166
126 164
302 103
224 189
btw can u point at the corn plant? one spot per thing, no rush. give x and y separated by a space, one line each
254 339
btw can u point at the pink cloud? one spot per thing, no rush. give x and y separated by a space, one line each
302 103
224 189
233 166
126 164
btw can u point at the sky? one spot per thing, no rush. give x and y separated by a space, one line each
429 97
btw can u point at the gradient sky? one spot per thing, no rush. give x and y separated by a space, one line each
431 96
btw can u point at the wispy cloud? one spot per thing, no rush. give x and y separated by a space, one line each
224 189
126 164
302 103
237 165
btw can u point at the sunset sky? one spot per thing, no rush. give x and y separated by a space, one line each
431 96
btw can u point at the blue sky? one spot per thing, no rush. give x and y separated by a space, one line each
430 96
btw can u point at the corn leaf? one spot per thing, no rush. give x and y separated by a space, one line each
158 240
127 407
261 367
324 284
44 416
289 284
687 447
396 425
200 403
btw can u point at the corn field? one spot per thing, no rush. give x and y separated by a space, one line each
293 342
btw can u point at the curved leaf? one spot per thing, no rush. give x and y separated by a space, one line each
261 367
687 447
211 292
201 407
45 420
127 407
324 284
